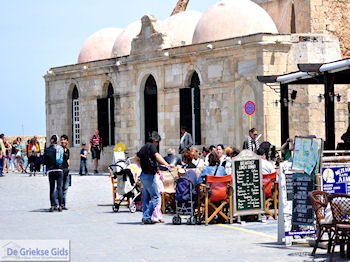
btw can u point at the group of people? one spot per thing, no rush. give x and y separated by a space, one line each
16 156
215 160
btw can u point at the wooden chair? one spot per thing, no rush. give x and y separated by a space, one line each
340 205
271 194
221 196
319 200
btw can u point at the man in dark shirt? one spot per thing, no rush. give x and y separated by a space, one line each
147 158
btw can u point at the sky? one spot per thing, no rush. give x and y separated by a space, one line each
37 35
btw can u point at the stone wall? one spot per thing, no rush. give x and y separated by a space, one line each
312 16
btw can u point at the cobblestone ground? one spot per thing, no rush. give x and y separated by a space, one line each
98 234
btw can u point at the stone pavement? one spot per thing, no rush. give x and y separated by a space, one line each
98 234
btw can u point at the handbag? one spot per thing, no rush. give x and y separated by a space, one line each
19 154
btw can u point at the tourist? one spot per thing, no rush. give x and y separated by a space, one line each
83 160
266 166
2 154
188 157
286 149
95 148
214 169
34 153
13 156
53 158
205 152
7 156
197 161
157 215
172 158
65 168
225 161
211 149
19 155
147 158
185 141
251 142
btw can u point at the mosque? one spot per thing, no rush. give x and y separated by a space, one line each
199 70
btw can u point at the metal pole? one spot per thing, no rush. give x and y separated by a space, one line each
329 111
284 113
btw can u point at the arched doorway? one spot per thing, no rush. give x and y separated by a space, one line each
75 117
151 107
190 109
105 107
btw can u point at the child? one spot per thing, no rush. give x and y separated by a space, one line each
83 160
157 213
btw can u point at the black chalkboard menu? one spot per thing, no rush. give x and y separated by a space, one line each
247 185
302 212
289 186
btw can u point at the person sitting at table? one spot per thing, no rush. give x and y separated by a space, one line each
197 161
214 169
266 166
188 157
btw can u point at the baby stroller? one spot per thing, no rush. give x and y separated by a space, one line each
127 186
186 198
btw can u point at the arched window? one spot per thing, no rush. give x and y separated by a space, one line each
75 117
190 109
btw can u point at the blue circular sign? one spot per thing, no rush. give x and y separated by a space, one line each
249 108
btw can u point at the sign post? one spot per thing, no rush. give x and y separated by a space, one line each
249 109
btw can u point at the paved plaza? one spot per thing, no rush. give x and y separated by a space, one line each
98 234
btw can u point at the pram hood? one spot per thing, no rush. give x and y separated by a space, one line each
184 186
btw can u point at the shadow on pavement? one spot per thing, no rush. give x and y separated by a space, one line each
129 223
41 210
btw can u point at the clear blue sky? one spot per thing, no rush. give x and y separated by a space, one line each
37 35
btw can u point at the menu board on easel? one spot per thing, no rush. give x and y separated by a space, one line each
248 189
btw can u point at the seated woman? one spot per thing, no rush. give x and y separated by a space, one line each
188 157
214 169
197 161
225 161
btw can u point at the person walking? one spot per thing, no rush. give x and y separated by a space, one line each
2 154
19 154
7 156
83 160
95 148
13 165
185 141
147 158
65 168
251 142
53 159
33 154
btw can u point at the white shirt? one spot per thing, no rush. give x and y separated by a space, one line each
267 167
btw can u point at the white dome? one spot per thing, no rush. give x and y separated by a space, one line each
122 45
233 18
180 27
99 45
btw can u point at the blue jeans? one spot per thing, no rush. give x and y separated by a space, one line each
53 177
150 194
83 164
65 185
1 164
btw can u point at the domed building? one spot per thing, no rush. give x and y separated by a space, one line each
99 45
194 70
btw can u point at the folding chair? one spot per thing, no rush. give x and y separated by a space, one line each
221 196
168 196
271 194
319 200
340 205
